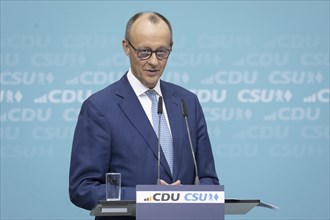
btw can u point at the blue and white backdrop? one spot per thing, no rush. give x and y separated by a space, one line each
259 68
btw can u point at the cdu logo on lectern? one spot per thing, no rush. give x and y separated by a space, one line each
162 197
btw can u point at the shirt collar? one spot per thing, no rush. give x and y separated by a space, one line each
138 87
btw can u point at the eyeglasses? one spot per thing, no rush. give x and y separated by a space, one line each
145 53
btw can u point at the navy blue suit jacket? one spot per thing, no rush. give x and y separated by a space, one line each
113 134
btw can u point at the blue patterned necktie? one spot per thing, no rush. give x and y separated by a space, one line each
165 137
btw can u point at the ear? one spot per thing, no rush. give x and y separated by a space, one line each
126 47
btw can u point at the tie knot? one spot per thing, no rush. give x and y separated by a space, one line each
152 95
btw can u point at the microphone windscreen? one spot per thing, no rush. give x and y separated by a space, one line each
184 108
160 106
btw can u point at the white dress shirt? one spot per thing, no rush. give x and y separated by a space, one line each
140 90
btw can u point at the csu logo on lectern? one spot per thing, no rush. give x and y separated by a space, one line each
201 197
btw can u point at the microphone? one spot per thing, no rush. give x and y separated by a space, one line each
185 115
159 112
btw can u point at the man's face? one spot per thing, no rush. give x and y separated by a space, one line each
146 35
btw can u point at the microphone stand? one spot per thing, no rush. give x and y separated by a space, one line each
185 115
159 112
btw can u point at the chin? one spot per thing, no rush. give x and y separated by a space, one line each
151 85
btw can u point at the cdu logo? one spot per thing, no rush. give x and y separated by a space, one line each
164 197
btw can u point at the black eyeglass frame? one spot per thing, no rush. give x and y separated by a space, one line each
139 50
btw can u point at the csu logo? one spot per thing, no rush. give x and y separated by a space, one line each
263 95
201 197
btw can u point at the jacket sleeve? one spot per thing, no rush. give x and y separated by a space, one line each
204 154
90 159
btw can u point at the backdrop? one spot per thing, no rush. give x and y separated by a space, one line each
259 68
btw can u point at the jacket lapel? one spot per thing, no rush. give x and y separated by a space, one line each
133 110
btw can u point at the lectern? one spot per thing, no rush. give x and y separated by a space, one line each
193 202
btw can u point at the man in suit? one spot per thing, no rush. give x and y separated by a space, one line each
115 133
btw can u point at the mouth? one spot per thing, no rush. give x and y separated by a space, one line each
152 72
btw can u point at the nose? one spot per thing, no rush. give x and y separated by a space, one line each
153 60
